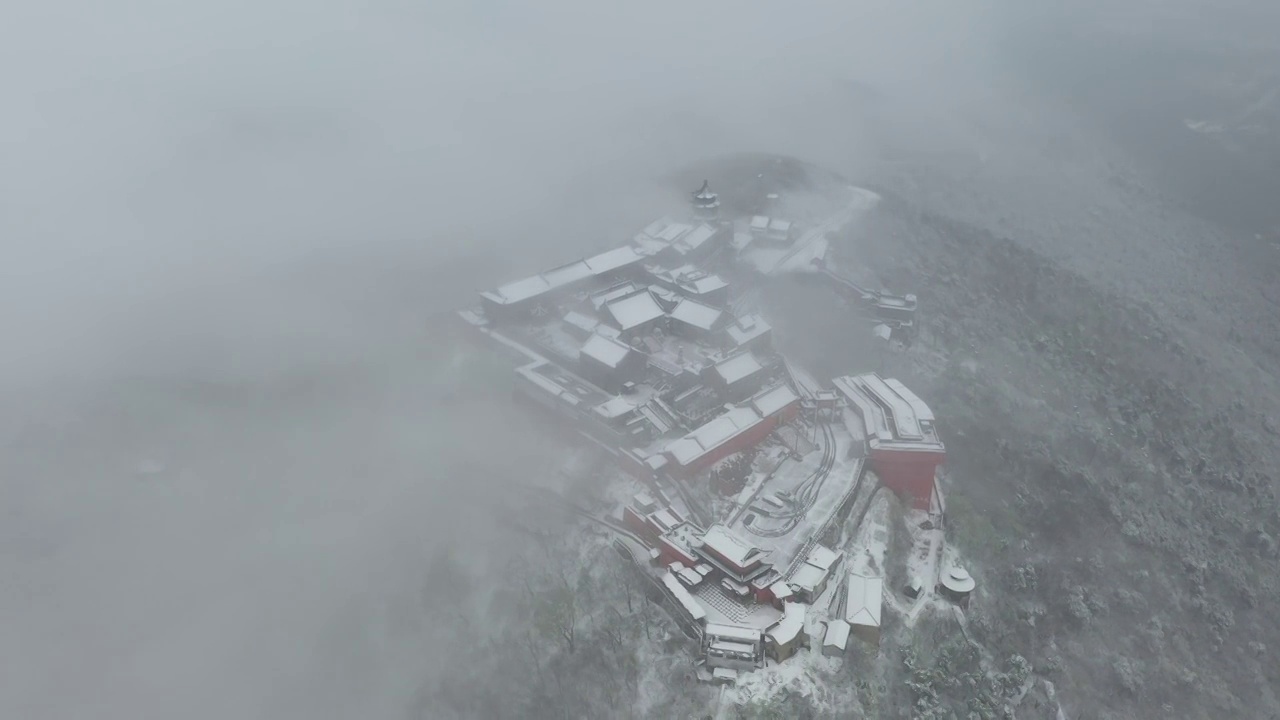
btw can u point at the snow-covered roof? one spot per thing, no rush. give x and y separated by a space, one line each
518 290
614 407
922 411
729 546
644 502
731 632
808 577
739 367
671 231
683 597
760 222
747 328
904 415
580 321
559 389
696 314
649 245
790 626
614 259
566 274
713 434
611 353
958 580
705 284
696 237
665 519
889 411
689 577
774 400
823 557
837 634
781 590
635 310
862 604
780 226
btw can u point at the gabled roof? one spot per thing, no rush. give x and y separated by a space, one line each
747 328
790 626
822 556
695 238
614 259
565 275
635 310
891 414
837 634
862 603
774 400
739 367
730 547
610 353
671 232
713 434
696 314
582 322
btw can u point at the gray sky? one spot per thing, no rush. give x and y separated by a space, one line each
273 196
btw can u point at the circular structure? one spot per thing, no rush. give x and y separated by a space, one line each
957 583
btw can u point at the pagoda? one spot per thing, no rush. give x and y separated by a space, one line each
706 204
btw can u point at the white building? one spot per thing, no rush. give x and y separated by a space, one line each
862 607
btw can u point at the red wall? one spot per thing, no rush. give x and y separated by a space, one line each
637 524
909 474
748 439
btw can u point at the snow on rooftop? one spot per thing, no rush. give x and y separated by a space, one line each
731 632
779 225
774 400
822 556
791 624
922 411
615 407
729 545
904 416
711 435
862 603
613 259
760 222
705 284
837 634
739 367
747 328
672 232
807 578
683 597
697 237
696 314
781 590
523 289
636 310
958 580
602 298
567 274
609 352
580 321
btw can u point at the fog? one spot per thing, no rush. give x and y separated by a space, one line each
231 441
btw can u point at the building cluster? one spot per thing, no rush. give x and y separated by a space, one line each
639 349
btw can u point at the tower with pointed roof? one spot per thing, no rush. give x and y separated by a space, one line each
706 204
